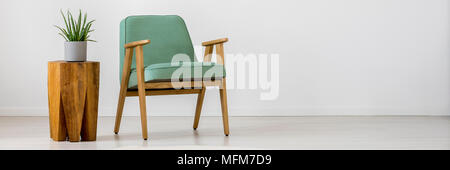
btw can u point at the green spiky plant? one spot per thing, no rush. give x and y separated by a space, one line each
76 30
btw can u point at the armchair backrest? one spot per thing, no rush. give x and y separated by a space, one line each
168 35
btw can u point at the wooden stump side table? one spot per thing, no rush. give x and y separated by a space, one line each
73 100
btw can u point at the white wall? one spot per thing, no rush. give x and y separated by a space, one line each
337 57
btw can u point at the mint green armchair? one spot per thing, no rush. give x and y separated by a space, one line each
167 65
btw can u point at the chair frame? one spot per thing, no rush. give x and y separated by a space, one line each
166 88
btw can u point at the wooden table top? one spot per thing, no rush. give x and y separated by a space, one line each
62 61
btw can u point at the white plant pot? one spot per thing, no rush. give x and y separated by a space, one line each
75 50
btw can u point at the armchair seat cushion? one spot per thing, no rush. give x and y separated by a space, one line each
181 71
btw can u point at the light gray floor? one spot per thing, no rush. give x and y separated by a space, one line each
364 132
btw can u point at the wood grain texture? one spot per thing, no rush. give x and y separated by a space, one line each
141 89
224 106
213 42
73 94
208 53
223 89
73 99
89 126
159 92
181 84
198 108
123 87
137 43
220 54
58 130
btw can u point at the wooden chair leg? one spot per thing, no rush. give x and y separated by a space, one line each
223 102
123 88
120 104
143 112
198 109
141 90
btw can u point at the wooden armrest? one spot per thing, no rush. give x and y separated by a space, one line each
137 43
213 42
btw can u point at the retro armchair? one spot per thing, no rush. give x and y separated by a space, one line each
150 70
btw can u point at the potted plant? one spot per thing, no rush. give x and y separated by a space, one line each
76 34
